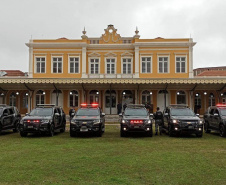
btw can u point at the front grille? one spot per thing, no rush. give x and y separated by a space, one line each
186 123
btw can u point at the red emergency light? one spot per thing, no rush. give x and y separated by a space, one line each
221 105
90 105
136 121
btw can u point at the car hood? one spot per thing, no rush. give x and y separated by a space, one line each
136 117
36 117
193 118
86 117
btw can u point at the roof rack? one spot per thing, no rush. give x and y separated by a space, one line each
136 106
179 105
46 105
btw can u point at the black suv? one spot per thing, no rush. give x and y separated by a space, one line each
88 119
9 118
215 119
180 119
45 118
135 118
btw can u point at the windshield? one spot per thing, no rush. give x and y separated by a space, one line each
41 112
88 112
182 112
136 112
1 111
223 112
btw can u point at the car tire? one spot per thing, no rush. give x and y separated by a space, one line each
99 133
199 135
23 134
170 131
122 134
206 127
73 134
150 133
16 127
51 131
63 129
222 130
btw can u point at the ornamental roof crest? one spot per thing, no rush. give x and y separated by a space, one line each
110 36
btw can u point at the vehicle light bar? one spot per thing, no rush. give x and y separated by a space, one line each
136 121
221 105
89 105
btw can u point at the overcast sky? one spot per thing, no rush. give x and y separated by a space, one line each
203 20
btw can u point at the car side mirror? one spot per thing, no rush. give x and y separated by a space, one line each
26 114
197 115
216 115
72 114
120 114
57 114
102 114
151 115
166 114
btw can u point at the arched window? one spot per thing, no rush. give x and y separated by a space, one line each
94 96
25 100
146 97
40 97
12 99
181 97
223 95
73 99
211 99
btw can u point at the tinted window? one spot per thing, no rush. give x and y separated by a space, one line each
182 112
88 112
11 111
41 112
136 112
1 110
223 112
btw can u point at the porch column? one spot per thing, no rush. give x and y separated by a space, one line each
191 100
136 97
84 74
191 59
136 74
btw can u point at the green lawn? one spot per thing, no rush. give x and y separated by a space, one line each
112 160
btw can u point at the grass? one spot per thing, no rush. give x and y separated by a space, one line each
112 160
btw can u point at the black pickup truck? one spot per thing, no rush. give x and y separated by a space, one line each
215 119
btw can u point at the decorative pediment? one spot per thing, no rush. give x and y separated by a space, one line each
110 54
94 54
110 35
126 54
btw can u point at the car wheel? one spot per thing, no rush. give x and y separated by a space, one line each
206 127
23 134
73 134
51 130
222 130
63 129
170 131
150 133
99 133
122 134
16 127
199 135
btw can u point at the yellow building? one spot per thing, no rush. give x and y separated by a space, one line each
108 70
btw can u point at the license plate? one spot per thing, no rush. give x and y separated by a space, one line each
84 130
190 127
30 127
136 127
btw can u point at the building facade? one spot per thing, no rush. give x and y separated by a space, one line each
108 70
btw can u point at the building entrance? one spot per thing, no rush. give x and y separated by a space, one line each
110 102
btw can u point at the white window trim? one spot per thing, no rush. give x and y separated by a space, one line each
106 65
90 65
78 64
35 67
141 64
52 63
168 64
131 65
185 63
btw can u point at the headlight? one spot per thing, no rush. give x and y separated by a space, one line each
200 121
148 121
45 121
123 121
175 121
96 122
73 121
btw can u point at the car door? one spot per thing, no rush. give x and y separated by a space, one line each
216 119
11 117
211 118
56 118
166 114
6 118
